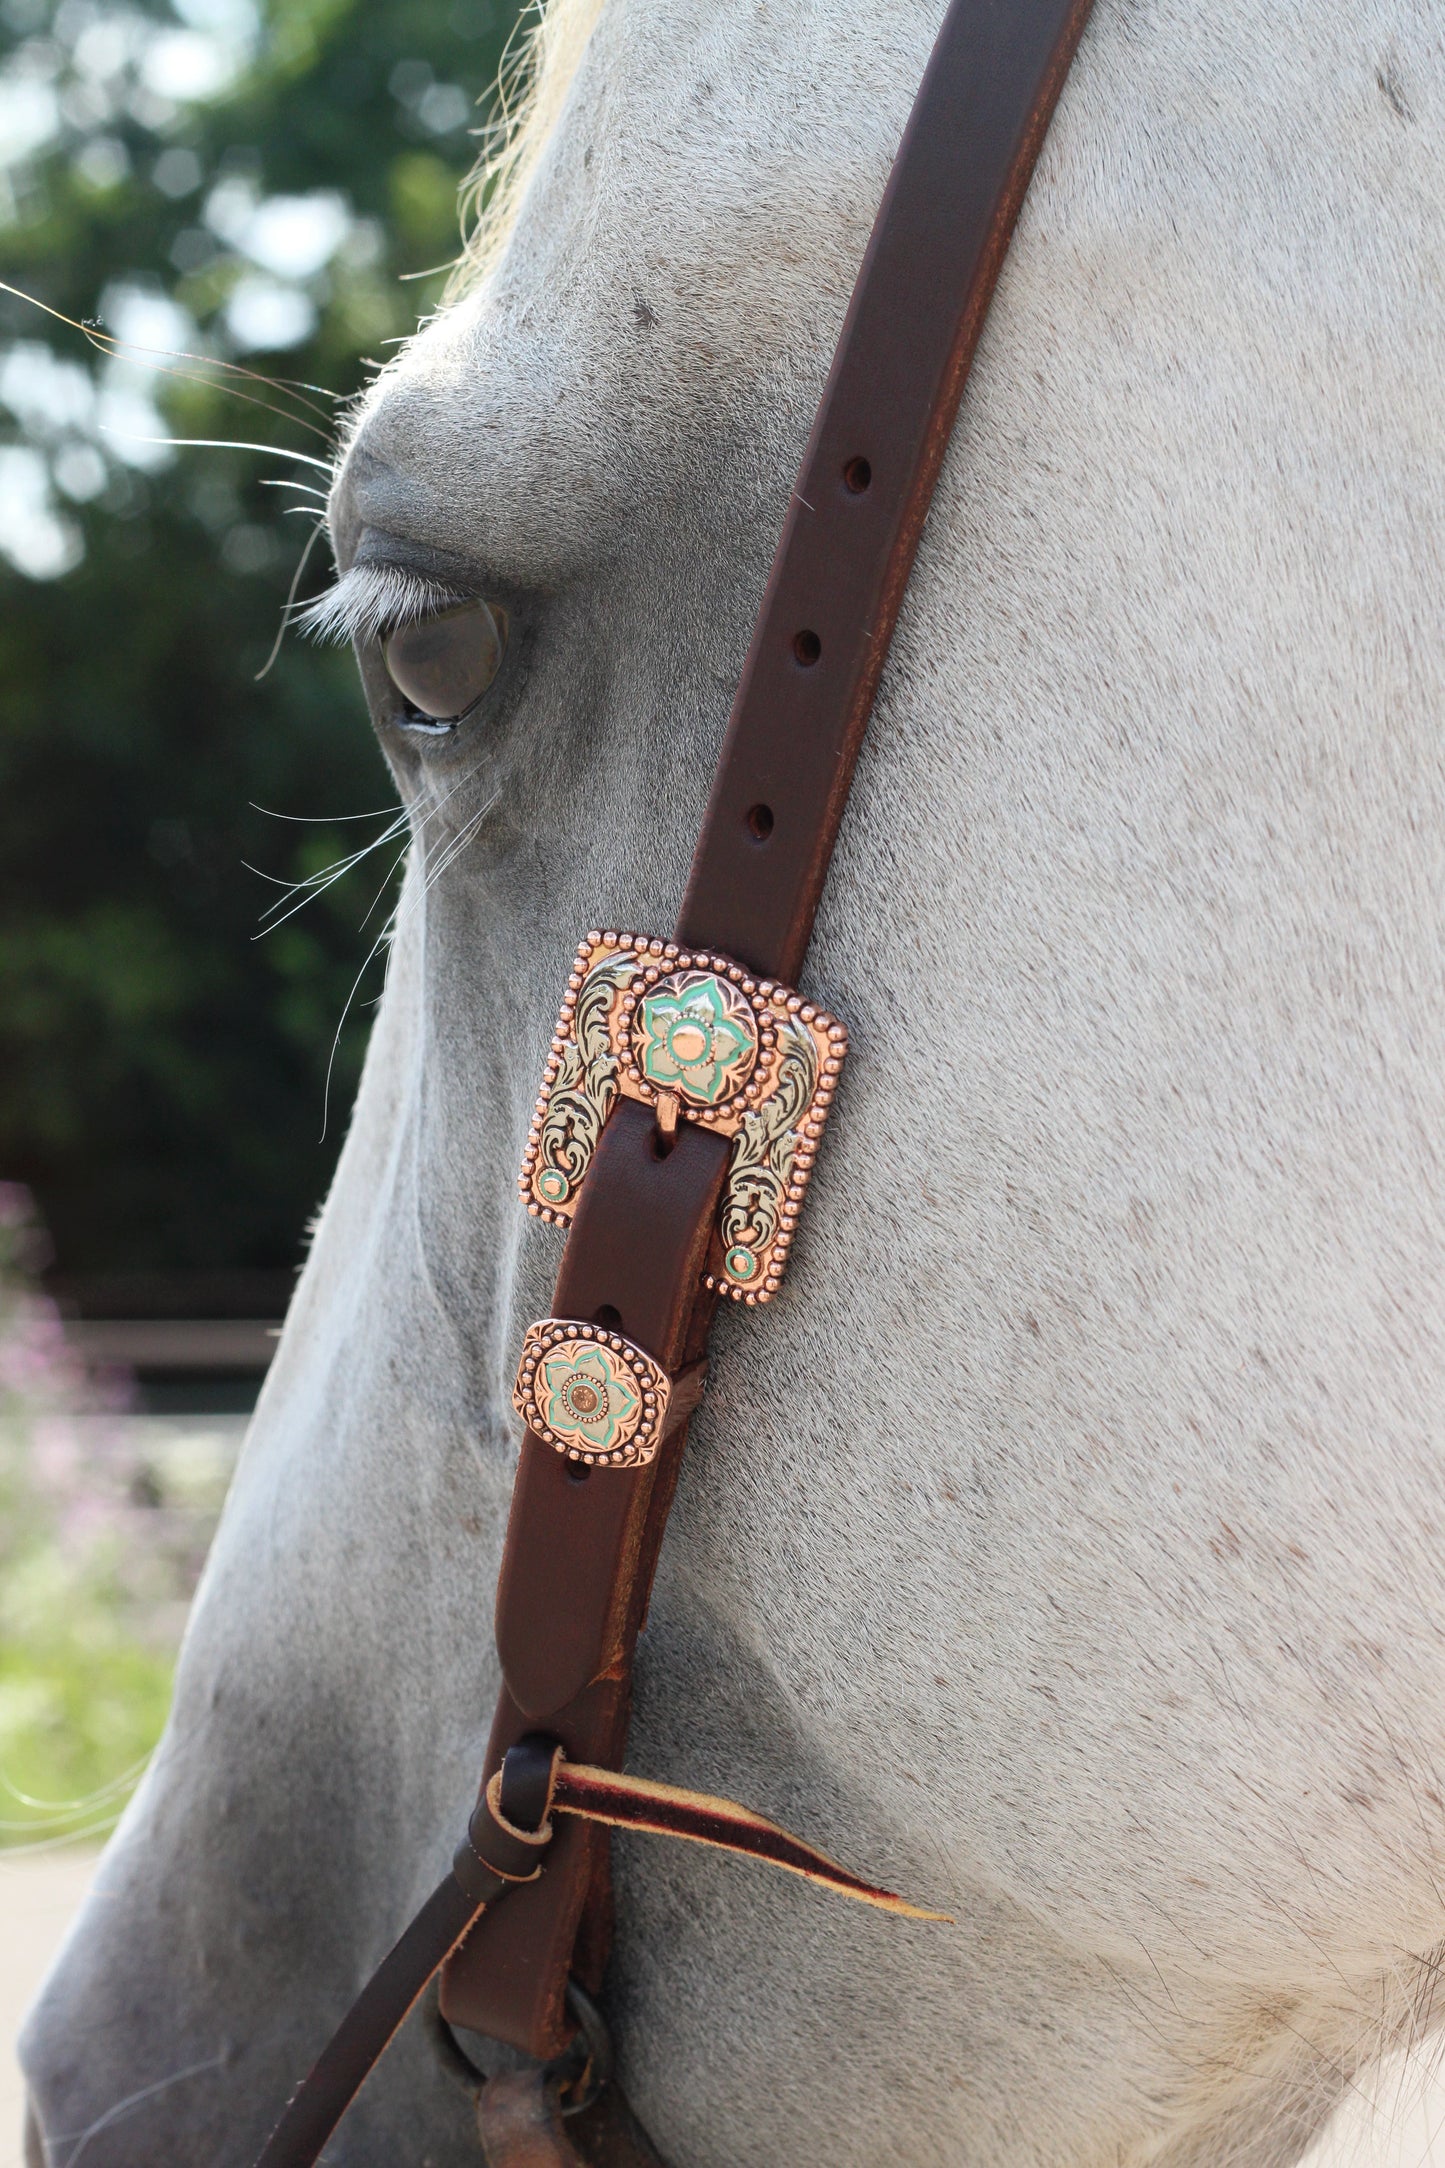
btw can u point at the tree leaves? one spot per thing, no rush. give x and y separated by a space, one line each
161 1068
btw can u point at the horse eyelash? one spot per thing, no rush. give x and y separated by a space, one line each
370 600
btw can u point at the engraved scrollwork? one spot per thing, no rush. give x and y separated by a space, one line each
584 1088
764 1155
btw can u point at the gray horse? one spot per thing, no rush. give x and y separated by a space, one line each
1065 1545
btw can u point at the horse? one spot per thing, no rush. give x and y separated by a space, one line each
1064 1545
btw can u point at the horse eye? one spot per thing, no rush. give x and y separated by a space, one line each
444 664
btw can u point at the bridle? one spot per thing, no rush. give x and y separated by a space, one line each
681 1109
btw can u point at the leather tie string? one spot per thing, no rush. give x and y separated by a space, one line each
505 1845
668 1810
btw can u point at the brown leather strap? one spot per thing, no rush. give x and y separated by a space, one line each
888 407
501 1852
333 2082
580 1555
579 1560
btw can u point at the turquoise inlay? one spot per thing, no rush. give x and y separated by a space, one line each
692 1044
588 1401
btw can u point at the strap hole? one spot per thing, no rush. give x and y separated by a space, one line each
807 647
760 822
608 1316
577 1472
856 476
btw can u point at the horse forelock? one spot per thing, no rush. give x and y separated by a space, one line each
542 59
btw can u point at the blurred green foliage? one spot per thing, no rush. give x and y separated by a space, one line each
104 1522
254 184
82 1703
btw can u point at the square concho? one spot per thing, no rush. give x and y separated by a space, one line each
591 1394
743 1056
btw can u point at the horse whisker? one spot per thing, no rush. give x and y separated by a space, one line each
296 579
106 342
67 1809
132 2100
327 874
383 936
390 876
322 820
316 884
393 923
221 444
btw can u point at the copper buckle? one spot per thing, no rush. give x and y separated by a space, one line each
685 1031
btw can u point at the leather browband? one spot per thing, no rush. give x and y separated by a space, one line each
580 1553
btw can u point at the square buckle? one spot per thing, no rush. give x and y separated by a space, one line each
693 1034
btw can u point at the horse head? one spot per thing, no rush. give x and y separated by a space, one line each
1064 1542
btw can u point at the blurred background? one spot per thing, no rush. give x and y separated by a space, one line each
197 853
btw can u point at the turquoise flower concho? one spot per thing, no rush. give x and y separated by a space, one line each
591 1394
693 1035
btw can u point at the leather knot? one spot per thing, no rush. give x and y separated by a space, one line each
510 1827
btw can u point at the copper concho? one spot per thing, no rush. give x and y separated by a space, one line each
591 1394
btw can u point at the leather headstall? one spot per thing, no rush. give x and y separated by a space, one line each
681 1109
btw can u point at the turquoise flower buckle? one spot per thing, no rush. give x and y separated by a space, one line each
591 1394
697 1037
